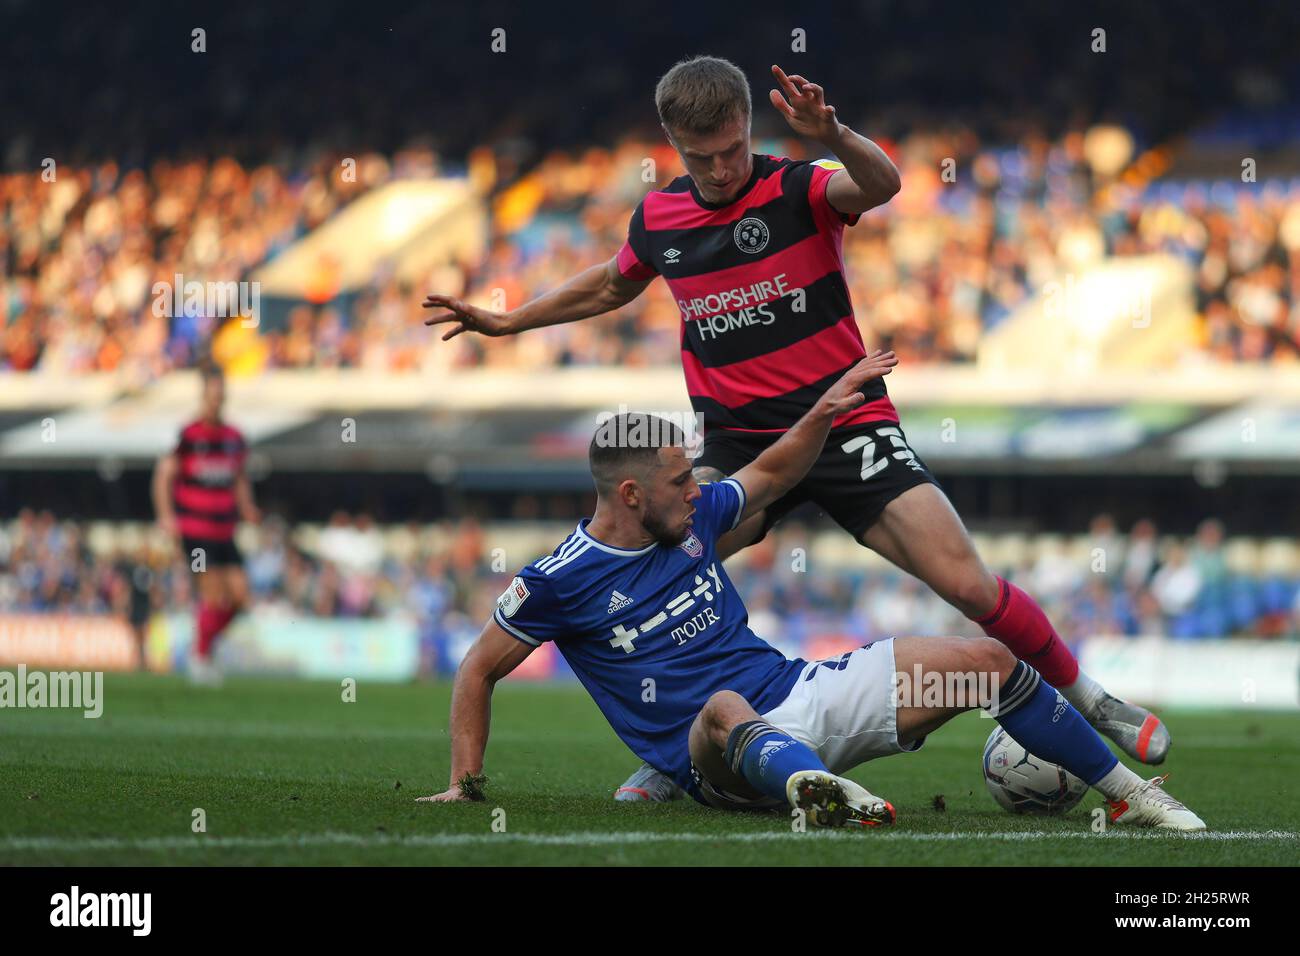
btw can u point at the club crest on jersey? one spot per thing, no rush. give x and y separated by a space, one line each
751 235
692 545
512 597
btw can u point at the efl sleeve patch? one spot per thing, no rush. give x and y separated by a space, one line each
512 598
827 216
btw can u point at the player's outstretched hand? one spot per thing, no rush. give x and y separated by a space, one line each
806 111
846 394
468 318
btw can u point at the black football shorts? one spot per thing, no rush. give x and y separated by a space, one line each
861 470
217 554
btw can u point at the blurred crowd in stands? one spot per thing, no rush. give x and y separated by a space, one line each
1106 582
111 180
929 274
80 256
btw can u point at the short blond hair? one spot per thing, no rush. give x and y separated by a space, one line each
702 95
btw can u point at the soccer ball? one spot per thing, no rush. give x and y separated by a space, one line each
1023 783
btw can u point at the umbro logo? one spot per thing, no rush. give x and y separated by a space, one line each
672 255
617 602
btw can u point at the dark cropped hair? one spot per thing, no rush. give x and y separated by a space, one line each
627 446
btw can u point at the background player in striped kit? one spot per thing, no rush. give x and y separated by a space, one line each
750 246
200 493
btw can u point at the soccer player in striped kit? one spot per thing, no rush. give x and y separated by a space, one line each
750 246
200 492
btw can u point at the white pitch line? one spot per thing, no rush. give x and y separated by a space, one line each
55 844
136 726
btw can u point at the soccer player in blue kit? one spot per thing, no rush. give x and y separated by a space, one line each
639 604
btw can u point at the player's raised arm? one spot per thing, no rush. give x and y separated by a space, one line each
869 177
781 466
602 288
494 655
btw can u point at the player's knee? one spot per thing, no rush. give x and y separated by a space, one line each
236 589
725 702
993 657
973 589
723 711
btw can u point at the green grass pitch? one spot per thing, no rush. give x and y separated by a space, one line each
287 773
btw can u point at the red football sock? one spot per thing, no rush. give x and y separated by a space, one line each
1018 622
210 622
226 615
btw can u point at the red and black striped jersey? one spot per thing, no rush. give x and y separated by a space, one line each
767 324
210 459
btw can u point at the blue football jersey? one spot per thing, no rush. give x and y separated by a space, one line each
651 633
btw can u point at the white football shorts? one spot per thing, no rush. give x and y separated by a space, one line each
844 708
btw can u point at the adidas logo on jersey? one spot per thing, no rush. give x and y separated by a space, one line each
617 602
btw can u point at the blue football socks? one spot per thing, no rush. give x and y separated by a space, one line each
767 757
1042 721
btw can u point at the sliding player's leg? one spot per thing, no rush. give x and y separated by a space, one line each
710 733
742 761
1032 712
921 533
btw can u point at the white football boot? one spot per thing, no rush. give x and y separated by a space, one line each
831 801
647 783
1149 805
203 672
